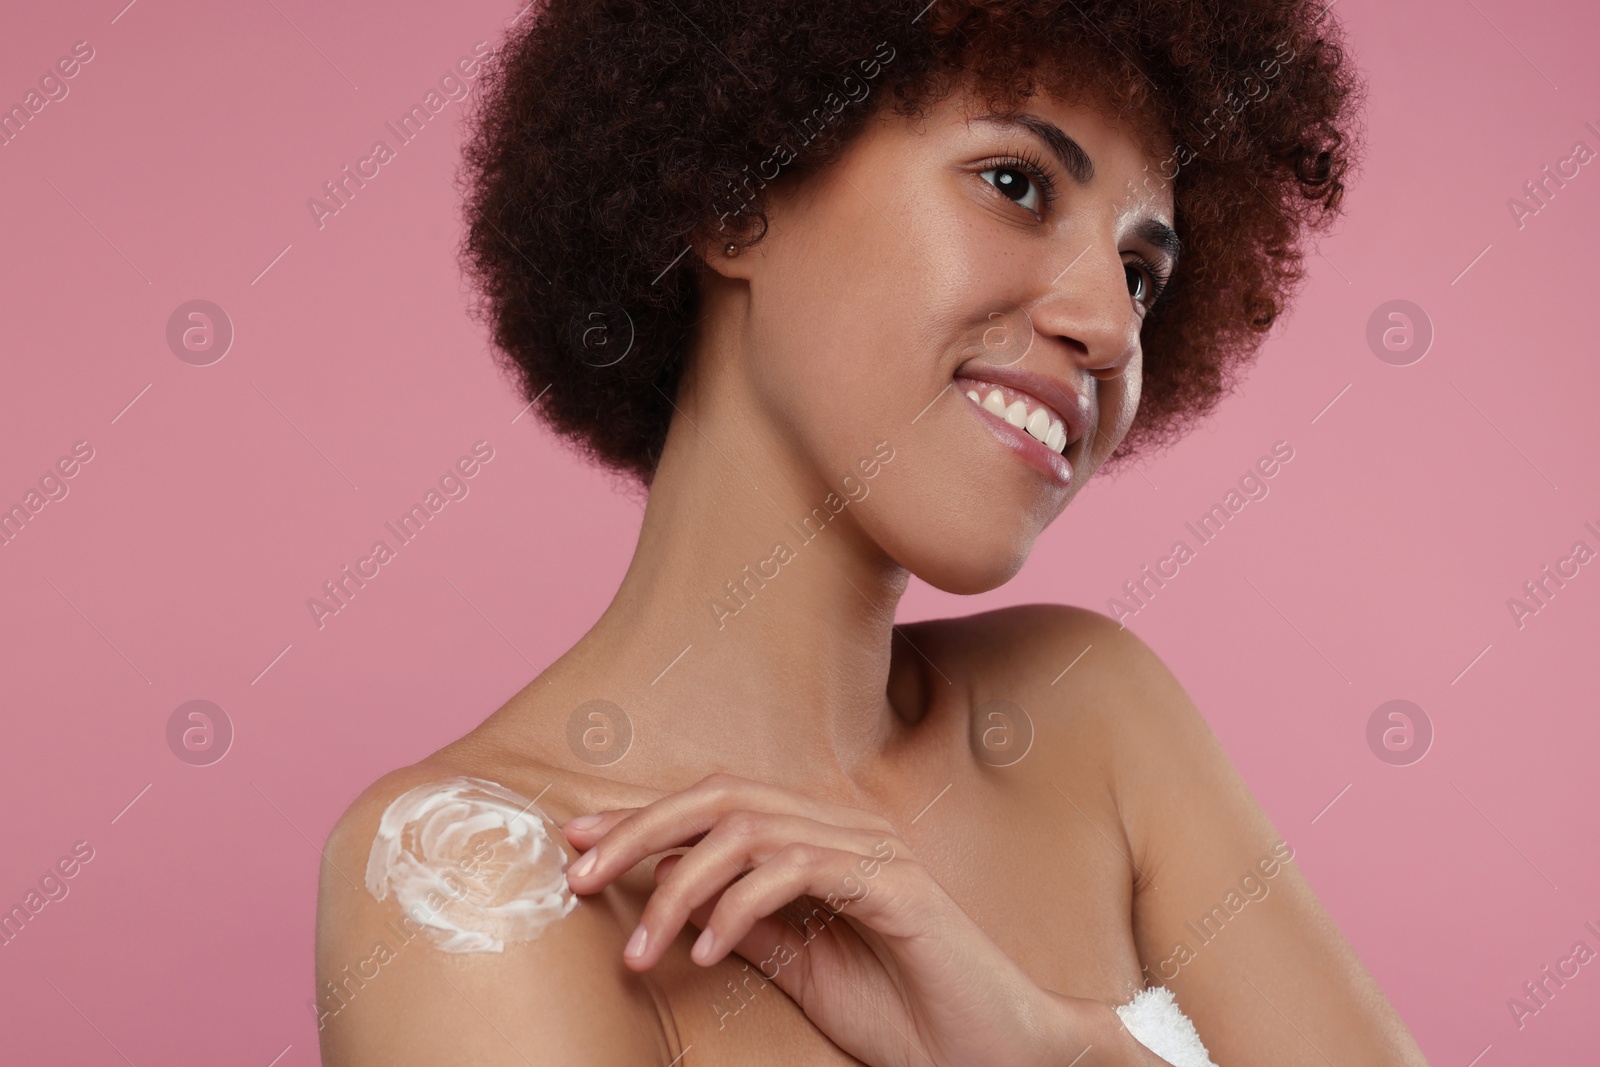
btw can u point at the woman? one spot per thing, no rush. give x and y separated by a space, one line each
861 292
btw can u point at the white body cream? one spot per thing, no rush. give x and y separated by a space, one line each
471 863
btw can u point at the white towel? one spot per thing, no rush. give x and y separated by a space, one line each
1154 1017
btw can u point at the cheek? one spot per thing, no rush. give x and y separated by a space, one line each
1132 386
838 357
817 364
954 507
1118 400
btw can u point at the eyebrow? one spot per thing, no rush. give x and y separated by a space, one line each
1081 168
1068 151
1162 236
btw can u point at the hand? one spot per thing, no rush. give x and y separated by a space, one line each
831 906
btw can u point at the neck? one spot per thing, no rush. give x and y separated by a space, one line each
752 632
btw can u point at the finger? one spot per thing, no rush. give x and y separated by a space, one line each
701 912
781 952
727 792
802 940
584 830
700 915
740 842
696 809
893 903
585 837
787 945
665 864
677 819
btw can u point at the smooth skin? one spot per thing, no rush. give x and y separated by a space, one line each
781 749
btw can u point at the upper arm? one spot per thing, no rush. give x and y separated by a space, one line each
387 994
1222 914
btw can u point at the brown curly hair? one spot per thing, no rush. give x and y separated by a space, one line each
607 132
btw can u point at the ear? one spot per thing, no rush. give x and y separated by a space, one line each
727 245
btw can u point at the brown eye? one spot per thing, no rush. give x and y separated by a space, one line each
1138 286
1017 186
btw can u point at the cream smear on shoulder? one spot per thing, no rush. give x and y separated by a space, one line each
472 863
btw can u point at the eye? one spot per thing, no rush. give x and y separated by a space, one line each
1138 283
1024 180
1017 186
1146 281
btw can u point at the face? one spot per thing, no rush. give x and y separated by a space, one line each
965 292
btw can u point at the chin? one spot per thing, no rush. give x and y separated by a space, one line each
963 548
968 577
959 509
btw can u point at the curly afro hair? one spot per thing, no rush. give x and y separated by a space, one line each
608 132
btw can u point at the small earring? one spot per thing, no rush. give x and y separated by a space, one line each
730 249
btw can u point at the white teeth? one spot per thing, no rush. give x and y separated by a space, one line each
1038 422
1056 436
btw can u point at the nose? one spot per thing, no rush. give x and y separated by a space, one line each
1086 307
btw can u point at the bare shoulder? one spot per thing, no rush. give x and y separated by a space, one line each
1086 668
1030 638
1176 790
1073 667
446 934
1102 717
1222 914
1072 705
1110 699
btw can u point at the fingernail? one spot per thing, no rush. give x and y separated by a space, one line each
704 946
584 822
586 864
637 942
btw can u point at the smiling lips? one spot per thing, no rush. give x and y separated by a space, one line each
1021 410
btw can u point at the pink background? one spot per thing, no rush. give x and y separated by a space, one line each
179 565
